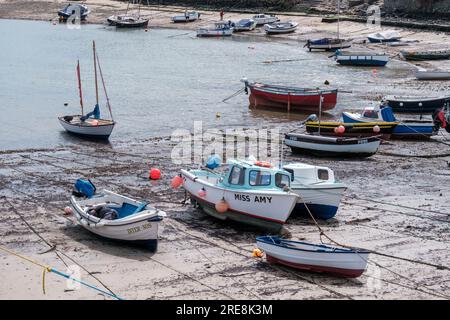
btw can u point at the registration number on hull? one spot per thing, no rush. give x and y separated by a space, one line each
139 228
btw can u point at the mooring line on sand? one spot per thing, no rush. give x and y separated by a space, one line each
53 247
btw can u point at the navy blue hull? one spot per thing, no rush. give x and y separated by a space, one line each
363 63
319 211
89 136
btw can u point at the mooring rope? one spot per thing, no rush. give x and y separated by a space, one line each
47 268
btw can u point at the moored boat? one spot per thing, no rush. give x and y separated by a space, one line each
426 55
327 44
384 36
220 29
288 99
189 16
411 129
244 25
366 129
77 11
416 104
280 27
332 146
355 58
432 75
117 217
343 262
319 193
90 126
132 22
249 192
262 19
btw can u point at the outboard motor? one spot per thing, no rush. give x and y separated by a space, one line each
312 117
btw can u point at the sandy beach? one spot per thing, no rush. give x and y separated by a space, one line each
397 203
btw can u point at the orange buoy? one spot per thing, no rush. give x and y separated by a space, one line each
264 164
257 253
154 174
176 182
222 206
202 193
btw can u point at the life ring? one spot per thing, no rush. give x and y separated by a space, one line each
263 164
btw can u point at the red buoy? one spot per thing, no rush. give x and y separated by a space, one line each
176 182
154 174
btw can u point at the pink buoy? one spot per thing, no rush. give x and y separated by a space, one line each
222 206
336 130
94 122
68 211
376 129
202 193
154 174
176 182
341 129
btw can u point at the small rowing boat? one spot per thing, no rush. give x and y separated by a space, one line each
280 27
244 25
415 104
384 36
189 16
288 99
342 262
426 55
117 217
250 192
318 145
355 58
432 75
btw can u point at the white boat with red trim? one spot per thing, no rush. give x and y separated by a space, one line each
342 262
250 192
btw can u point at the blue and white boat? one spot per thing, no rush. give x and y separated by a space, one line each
355 58
220 29
246 191
338 261
317 188
384 36
327 44
416 129
244 25
114 216
77 11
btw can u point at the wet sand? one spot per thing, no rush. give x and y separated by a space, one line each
200 257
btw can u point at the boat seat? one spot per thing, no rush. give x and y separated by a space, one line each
127 209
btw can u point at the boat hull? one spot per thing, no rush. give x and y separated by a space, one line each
277 29
420 105
432 75
139 24
350 264
378 40
363 61
214 33
342 147
352 129
101 132
264 209
284 100
327 44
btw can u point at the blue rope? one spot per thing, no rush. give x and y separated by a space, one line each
85 284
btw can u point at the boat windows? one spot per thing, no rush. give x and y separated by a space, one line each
291 172
259 178
237 176
373 114
282 180
323 174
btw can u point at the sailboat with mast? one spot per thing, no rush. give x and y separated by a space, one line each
329 44
127 20
90 125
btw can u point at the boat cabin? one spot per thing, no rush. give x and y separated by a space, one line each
306 174
255 175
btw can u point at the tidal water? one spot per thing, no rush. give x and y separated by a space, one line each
158 81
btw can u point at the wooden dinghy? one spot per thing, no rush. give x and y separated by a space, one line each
342 262
332 146
280 27
284 98
134 222
384 36
426 55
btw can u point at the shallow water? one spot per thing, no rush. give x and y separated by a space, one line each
158 80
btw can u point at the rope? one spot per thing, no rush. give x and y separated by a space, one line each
47 268
234 94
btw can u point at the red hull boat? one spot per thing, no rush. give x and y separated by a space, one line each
288 99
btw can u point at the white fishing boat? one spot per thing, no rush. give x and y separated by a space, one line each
262 19
90 126
188 16
384 36
432 75
220 29
342 262
113 216
332 146
318 190
280 27
250 192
